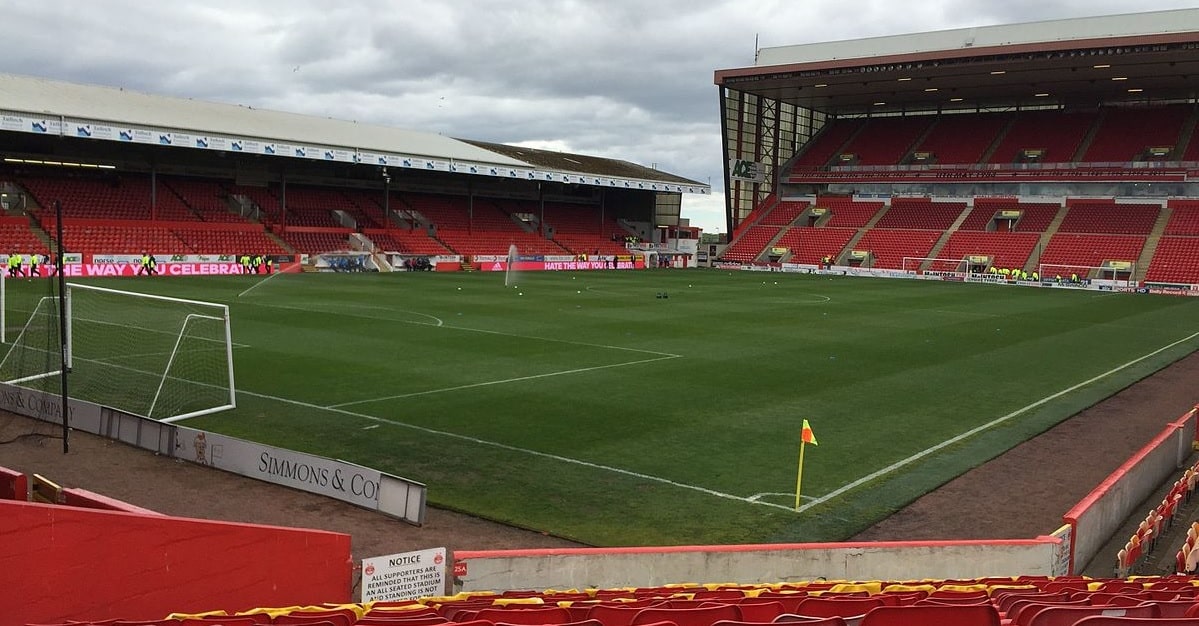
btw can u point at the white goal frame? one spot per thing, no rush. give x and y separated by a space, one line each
223 317
1104 274
912 265
220 314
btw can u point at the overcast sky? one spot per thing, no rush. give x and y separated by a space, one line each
628 79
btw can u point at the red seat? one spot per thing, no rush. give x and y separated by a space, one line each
962 615
1107 620
1067 615
528 616
820 606
698 616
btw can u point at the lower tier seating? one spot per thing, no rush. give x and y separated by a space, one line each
889 247
1176 260
1005 249
1077 253
810 245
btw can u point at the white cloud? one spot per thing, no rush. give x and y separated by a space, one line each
627 79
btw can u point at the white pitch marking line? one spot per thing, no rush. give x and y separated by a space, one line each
371 427
499 382
502 446
565 341
360 315
255 285
440 324
758 496
978 429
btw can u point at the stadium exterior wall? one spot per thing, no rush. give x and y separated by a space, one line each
644 567
1098 515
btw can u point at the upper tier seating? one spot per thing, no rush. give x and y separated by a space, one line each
310 206
577 227
1106 217
810 245
849 214
1058 134
889 247
921 213
125 197
962 139
366 207
206 198
785 213
1176 260
1006 249
262 197
750 244
827 143
1124 134
1081 251
886 140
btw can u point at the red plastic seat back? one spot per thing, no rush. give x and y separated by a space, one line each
957 615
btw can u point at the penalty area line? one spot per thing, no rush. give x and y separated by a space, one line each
989 425
498 382
525 451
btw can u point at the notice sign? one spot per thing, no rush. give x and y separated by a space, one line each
405 576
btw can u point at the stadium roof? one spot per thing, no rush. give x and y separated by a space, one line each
39 105
1074 63
580 162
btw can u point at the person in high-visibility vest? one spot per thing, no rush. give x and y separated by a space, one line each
34 259
14 265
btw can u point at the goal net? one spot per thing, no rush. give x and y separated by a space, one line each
1117 273
164 358
933 265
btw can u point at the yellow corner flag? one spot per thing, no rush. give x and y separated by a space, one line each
806 436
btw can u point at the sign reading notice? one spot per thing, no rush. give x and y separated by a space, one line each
404 576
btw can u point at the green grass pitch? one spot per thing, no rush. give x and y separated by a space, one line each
584 405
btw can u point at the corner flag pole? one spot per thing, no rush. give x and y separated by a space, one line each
799 475
805 437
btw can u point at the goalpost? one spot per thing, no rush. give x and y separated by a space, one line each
931 265
1116 273
164 358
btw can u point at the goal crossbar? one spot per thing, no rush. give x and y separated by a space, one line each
157 356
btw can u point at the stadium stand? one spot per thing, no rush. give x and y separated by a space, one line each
921 214
848 213
1176 260
1125 135
784 213
827 143
889 247
1005 249
886 141
809 245
1089 216
1081 252
415 242
961 139
1056 135
208 199
751 243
